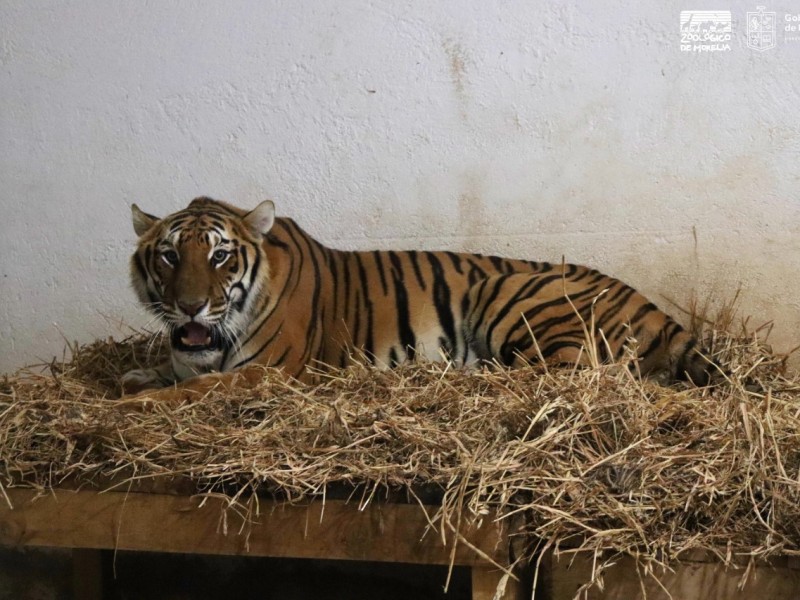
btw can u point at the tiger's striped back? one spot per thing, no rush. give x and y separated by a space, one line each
390 306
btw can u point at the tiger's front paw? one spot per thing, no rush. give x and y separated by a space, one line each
138 380
152 393
143 389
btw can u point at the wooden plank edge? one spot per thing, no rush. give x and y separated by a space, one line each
169 523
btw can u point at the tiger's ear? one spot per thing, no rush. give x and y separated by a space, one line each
142 222
261 219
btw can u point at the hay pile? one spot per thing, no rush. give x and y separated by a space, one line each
591 458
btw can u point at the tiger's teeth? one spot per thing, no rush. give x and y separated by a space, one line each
187 342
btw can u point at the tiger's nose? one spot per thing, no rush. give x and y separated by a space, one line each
191 308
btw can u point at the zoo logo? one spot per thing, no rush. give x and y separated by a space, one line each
761 31
705 30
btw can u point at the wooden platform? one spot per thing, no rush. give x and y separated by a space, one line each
697 577
89 521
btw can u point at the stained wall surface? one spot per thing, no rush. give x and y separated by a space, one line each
528 129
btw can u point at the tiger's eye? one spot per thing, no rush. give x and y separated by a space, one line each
170 257
219 256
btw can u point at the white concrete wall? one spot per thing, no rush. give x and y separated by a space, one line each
522 128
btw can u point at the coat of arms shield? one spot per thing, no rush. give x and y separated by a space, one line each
761 31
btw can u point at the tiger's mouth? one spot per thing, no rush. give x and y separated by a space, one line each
195 337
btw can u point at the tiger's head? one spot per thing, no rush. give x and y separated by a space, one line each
200 271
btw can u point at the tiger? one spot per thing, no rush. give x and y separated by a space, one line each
235 288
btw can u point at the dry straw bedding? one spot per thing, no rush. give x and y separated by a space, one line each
590 457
